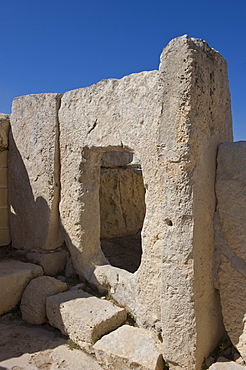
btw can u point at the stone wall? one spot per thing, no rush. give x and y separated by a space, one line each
4 207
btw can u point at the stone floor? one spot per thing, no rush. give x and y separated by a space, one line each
30 347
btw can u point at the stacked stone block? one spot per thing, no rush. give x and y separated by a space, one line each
4 208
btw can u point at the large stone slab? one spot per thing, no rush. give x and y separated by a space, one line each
82 317
34 172
172 120
14 276
129 347
231 240
122 202
33 302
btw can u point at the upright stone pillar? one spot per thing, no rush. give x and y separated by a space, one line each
196 118
34 166
4 208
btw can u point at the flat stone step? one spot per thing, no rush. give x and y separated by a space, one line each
83 317
129 347
14 276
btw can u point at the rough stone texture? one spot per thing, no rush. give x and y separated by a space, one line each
82 317
226 366
33 302
4 131
231 240
69 269
14 276
173 120
32 347
116 159
197 118
4 207
122 204
34 173
52 263
129 348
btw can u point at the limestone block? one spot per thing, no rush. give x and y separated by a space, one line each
122 202
4 159
82 317
4 131
14 276
33 302
129 347
116 159
230 365
5 237
172 120
231 240
52 263
34 172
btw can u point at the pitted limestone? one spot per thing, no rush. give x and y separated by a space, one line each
82 317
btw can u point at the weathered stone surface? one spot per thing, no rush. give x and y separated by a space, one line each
226 366
69 269
173 120
34 172
32 347
33 302
231 240
4 131
116 159
14 276
129 347
82 317
122 202
197 118
4 207
52 263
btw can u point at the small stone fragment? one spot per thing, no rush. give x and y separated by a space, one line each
129 347
222 359
33 302
209 360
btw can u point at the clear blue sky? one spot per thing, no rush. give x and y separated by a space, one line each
55 46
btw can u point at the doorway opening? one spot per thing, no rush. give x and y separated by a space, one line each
122 209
